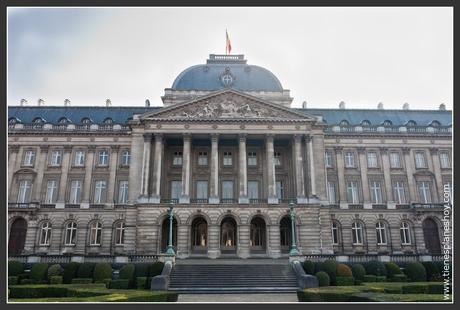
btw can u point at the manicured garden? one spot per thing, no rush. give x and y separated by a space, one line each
85 282
374 282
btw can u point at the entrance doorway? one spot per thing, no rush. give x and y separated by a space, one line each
431 236
228 236
17 236
285 234
199 236
257 242
165 235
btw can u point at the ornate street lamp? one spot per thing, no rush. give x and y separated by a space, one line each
294 251
170 250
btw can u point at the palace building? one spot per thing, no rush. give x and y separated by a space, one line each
228 153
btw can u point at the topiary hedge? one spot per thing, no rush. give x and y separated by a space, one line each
375 268
392 270
15 268
415 272
155 269
432 271
102 271
54 270
309 267
358 272
13 280
70 272
121 284
330 267
141 283
55 279
127 273
345 281
323 278
38 272
86 270
399 278
141 270
343 271
380 279
82 280
369 278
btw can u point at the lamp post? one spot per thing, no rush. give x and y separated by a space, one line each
170 250
294 251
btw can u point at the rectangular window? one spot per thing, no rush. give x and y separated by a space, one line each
331 192
399 192
123 192
125 158
395 160
372 160
56 158
227 161
277 158
176 189
227 189
420 161
103 158
253 189
79 158
424 192
349 159
352 192
376 192
203 158
445 160
328 159
29 158
51 191
202 189
252 159
177 159
279 189
75 192
24 191
100 191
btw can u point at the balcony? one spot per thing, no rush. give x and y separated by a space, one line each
394 130
427 205
228 200
28 205
199 200
257 200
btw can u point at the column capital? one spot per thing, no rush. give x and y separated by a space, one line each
406 150
147 137
242 137
91 148
338 149
434 150
158 136
308 138
214 137
186 136
361 149
114 148
14 148
44 148
269 137
298 138
383 150
67 148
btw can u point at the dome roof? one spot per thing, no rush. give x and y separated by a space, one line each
227 71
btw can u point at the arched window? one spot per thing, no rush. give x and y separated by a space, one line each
108 120
357 233
365 123
435 124
335 231
12 121
344 123
38 120
95 233
387 123
405 233
70 233
119 233
45 233
411 123
63 120
86 121
380 230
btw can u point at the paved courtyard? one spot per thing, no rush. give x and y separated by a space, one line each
288 297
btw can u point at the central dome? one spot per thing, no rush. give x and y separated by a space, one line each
227 71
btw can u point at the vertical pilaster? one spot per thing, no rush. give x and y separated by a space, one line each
158 158
41 163
214 244
319 166
135 168
64 171
437 174
409 163
242 173
214 197
112 174
146 166
299 169
12 160
274 248
341 178
243 240
311 160
387 176
185 196
364 181
88 176
269 149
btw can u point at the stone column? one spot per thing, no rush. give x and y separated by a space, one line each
88 176
341 178
157 168
183 241
242 175
365 183
12 160
409 163
437 173
272 199
213 241
299 169
41 166
319 167
64 171
309 146
214 197
135 168
274 247
243 240
186 165
111 199
146 167
387 175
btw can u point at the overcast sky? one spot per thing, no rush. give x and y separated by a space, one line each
362 56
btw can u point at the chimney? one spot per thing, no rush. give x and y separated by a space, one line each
342 105
40 102
442 107
66 102
108 103
147 103
304 105
380 106
23 102
406 106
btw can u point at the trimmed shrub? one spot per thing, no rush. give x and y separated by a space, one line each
435 288
358 272
399 278
345 281
392 290
380 279
70 272
54 270
86 270
319 266
155 269
309 267
27 281
141 282
37 291
432 271
121 284
415 272
331 294
343 271
39 272
106 282
392 269
369 278
13 280
141 270
375 268
412 288
102 271
330 266
323 278
23 276
55 279
127 272
82 280
15 268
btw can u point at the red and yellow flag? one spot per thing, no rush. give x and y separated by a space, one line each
228 45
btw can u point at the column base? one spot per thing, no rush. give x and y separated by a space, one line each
302 200
84 205
343 205
184 199
142 199
59 205
391 205
214 200
243 200
367 205
154 199
272 200
313 199
213 253
243 253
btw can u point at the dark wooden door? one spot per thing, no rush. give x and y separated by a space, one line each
17 237
431 236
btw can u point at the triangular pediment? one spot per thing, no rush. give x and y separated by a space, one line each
227 105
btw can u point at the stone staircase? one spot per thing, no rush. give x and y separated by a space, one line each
233 278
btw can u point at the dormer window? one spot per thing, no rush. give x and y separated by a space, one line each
387 123
411 123
365 123
108 121
344 123
63 120
435 124
38 120
12 121
86 121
